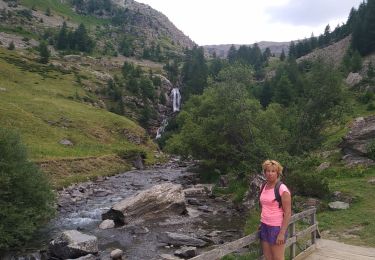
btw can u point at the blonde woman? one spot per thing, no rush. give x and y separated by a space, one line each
275 216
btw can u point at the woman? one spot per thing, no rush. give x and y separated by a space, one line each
274 217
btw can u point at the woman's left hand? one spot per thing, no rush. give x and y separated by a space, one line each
280 239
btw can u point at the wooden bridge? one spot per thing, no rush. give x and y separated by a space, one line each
318 249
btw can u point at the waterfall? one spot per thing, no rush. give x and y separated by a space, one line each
161 128
176 96
176 103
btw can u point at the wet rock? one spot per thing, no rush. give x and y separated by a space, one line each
186 252
194 201
169 257
136 230
160 200
199 190
73 244
86 257
205 208
117 254
107 224
338 205
180 240
214 233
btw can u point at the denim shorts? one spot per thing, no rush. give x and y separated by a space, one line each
269 233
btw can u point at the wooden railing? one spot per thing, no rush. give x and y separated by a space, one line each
230 247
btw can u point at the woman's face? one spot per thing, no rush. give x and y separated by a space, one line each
271 174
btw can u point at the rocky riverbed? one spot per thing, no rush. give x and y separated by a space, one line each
80 207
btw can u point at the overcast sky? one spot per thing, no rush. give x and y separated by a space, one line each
249 21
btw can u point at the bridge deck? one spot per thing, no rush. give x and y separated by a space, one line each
332 250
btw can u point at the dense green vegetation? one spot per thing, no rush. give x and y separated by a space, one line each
360 24
26 199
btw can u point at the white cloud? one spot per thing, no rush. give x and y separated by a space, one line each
249 21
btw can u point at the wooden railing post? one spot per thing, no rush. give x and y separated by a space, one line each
292 230
312 222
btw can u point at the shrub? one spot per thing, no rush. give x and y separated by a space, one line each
371 150
26 199
307 184
11 46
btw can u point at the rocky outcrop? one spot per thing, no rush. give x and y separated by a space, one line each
355 145
353 79
160 200
332 54
73 244
252 194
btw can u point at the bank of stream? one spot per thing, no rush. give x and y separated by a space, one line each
80 206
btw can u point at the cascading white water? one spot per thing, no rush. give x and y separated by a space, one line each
161 128
176 96
176 103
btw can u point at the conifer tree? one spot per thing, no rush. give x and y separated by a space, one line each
62 38
44 53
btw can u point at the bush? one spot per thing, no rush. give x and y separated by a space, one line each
371 150
26 199
307 184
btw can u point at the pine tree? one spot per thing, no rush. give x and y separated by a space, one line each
282 55
62 38
232 54
44 53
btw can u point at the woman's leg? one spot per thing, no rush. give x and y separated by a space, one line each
266 250
278 252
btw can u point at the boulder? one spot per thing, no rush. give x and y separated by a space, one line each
186 252
355 145
159 201
372 181
66 142
107 224
353 79
73 244
117 254
180 239
338 205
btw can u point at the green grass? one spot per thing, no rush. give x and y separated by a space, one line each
40 103
59 8
355 225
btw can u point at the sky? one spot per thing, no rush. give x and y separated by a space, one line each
249 21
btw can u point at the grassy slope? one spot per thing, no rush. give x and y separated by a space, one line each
64 10
40 103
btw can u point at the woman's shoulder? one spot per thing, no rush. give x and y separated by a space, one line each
283 188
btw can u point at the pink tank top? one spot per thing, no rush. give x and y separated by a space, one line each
271 214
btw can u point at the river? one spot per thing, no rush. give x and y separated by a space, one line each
80 207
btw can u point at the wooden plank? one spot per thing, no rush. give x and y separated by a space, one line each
227 248
293 246
230 247
302 215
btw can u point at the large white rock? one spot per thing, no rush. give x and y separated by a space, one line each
73 244
158 201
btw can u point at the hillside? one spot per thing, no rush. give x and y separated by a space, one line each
60 120
122 27
222 49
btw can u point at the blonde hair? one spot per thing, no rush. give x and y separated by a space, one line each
273 164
